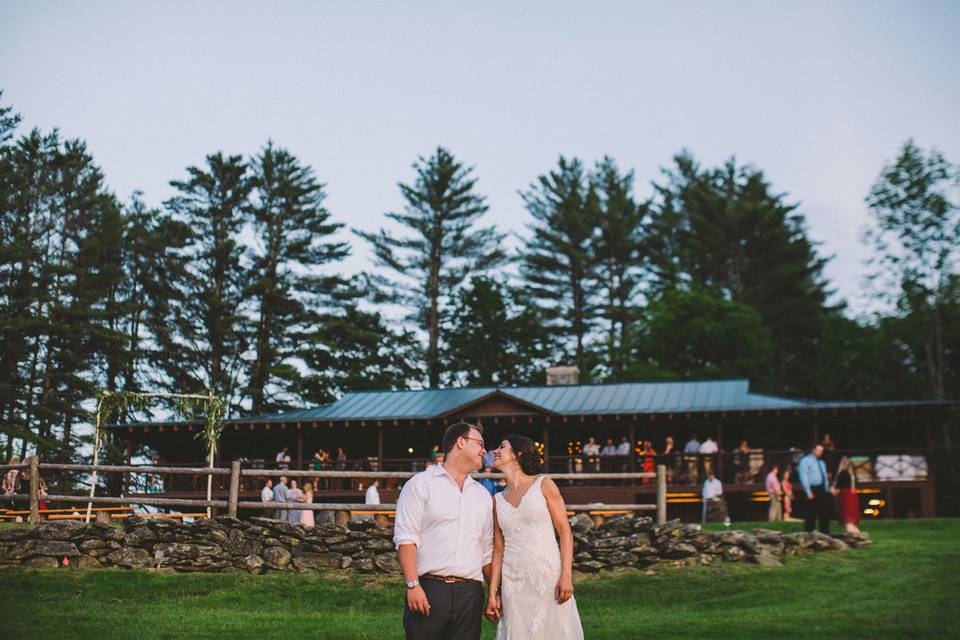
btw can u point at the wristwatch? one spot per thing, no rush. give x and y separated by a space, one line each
412 583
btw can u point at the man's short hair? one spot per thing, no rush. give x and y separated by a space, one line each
456 431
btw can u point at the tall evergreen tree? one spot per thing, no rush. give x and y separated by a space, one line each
915 204
621 256
211 333
293 229
559 265
442 209
355 350
495 337
735 238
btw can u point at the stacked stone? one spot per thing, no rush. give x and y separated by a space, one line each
637 542
260 544
216 545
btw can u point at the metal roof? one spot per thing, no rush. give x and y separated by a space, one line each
583 399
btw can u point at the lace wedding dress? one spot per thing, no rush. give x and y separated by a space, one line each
531 569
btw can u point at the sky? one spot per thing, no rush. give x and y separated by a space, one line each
819 95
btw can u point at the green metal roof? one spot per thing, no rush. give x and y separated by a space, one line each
583 399
622 398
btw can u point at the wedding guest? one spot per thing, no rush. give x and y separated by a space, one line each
672 457
691 453
848 504
11 484
591 450
649 459
741 462
775 492
306 515
372 496
623 449
787 487
266 495
281 495
610 449
713 506
342 466
813 477
708 449
294 495
488 483
283 458
316 465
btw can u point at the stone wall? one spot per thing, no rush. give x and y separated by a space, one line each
225 544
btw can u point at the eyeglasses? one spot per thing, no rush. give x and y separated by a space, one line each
480 440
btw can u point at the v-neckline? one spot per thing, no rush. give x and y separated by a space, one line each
520 502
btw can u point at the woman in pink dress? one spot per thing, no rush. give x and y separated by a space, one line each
306 516
787 487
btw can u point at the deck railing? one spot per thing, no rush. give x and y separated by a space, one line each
236 473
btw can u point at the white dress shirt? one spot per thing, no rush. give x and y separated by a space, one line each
452 528
372 496
266 495
623 449
708 446
712 489
591 449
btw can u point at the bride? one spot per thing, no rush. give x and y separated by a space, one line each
531 587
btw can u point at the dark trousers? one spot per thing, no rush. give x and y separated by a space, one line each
820 508
456 612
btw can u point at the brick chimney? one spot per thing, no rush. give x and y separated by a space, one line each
563 375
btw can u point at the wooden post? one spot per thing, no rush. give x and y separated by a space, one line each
720 449
341 518
34 490
234 488
632 465
127 477
299 447
546 447
661 494
380 449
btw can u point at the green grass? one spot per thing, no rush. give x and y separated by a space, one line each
904 586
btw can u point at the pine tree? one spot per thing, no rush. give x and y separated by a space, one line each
293 229
355 350
559 265
733 238
495 337
621 256
211 335
441 211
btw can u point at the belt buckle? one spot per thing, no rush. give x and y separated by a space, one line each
450 579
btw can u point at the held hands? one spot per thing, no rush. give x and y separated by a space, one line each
564 590
417 601
493 612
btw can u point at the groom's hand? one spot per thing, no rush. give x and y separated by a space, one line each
493 608
417 601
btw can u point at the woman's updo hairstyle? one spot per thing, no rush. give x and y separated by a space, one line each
528 457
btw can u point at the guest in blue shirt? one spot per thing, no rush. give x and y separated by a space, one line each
813 477
488 483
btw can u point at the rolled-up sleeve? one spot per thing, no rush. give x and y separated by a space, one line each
406 529
487 537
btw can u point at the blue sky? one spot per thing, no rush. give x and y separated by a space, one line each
817 94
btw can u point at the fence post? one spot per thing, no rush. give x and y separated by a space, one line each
34 490
234 488
661 494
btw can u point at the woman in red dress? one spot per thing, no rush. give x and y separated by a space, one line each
848 503
649 459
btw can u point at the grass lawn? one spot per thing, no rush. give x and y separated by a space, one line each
904 586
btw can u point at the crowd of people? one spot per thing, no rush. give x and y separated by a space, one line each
288 492
20 482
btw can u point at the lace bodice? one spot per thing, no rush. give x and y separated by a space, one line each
530 550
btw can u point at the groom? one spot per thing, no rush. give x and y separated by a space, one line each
444 538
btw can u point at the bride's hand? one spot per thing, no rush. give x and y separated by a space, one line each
493 608
564 590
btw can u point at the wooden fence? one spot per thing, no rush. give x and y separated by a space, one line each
342 510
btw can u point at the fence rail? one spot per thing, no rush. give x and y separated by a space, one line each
233 503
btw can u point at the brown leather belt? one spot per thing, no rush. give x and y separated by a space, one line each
447 579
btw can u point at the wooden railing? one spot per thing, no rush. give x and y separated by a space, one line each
236 472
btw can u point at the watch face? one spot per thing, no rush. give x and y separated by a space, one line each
411 584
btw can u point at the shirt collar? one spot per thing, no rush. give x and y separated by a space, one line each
438 470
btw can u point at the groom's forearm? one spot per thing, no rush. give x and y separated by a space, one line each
407 554
487 568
